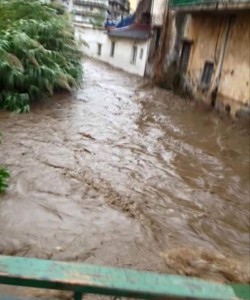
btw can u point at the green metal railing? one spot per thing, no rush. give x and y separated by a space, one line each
174 3
90 279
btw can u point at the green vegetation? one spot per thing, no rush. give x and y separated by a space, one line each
38 54
4 175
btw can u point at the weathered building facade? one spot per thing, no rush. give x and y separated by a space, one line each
205 49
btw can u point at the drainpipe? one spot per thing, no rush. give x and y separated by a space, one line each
222 59
162 44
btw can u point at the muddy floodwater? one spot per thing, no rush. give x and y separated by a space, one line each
120 174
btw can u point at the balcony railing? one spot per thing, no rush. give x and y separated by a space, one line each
218 4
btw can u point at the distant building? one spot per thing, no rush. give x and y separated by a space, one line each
96 12
206 50
92 12
126 44
118 9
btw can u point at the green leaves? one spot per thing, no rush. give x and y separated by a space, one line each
38 54
4 176
18 102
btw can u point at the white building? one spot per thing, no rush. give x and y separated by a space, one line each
123 49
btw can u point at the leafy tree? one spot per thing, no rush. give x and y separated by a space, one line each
38 53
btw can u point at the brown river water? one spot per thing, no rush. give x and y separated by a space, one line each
128 175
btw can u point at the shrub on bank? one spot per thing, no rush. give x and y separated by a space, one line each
38 54
4 175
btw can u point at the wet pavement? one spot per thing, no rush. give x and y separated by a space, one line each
120 173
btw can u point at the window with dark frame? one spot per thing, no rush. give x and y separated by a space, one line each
185 55
99 49
134 54
207 73
112 52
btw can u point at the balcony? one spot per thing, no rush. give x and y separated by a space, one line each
92 3
209 5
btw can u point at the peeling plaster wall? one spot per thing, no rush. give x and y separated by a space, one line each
234 88
208 33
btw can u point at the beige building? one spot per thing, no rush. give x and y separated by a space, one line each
207 51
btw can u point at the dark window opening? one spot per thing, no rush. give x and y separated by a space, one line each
134 55
99 49
146 18
157 38
185 55
214 97
228 108
207 73
112 52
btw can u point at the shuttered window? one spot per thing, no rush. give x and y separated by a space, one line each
207 73
185 55
141 54
134 55
112 51
99 49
